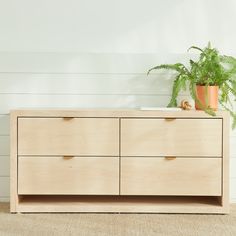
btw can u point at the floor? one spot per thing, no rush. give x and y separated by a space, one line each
116 224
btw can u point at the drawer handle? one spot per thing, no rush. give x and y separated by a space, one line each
68 118
170 119
67 157
170 158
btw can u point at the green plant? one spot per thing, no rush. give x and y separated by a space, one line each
211 69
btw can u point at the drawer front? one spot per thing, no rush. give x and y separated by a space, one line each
78 175
76 136
180 176
179 137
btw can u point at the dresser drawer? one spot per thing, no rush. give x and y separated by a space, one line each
78 175
68 136
166 137
180 176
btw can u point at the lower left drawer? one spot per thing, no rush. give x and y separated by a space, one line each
75 175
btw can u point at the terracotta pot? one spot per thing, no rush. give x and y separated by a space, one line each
212 97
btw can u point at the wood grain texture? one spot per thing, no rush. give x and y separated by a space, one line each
115 113
77 136
180 137
225 163
78 175
181 176
129 204
177 176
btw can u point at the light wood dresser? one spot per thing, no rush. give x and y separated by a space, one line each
119 161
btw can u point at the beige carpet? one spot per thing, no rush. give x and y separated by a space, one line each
116 224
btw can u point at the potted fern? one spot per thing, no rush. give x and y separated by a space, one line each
210 79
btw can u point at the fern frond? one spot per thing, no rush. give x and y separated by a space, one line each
178 67
175 92
194 47
228 59
233 115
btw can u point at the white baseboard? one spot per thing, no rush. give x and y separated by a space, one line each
233 200
4 199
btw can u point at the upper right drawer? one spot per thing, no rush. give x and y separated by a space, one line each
171 137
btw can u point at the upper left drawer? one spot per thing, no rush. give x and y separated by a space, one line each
68 136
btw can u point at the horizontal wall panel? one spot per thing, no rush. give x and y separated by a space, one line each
131 85
4 124
233 147
85 63
4 186
4 166
4 146
233 167
233 200
233 188
17 101
233 133
87 76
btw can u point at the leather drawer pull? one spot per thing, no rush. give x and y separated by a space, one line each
170 158
67 157
68 118
170 119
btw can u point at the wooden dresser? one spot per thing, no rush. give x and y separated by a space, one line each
119 161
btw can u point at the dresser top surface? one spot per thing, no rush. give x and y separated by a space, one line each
115 113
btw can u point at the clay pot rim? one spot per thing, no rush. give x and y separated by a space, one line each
198 85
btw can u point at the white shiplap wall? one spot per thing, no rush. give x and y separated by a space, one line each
70 80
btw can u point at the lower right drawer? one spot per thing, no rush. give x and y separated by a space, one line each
179 176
